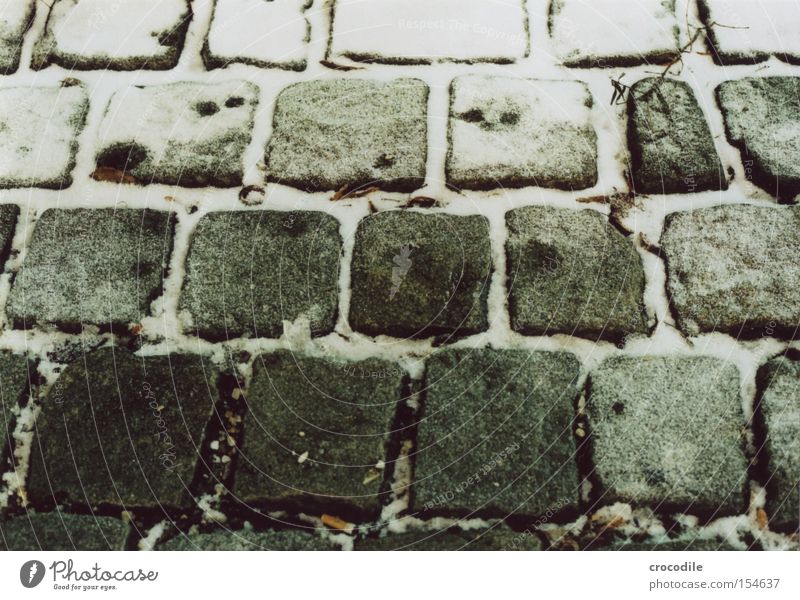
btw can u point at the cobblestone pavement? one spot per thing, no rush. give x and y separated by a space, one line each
307 275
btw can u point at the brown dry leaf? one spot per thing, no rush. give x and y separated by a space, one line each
761 518
111 175
335 522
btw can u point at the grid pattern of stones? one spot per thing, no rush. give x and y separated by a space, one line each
158 337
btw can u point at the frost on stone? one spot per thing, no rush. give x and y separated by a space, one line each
264 33
749 31
188 134
613 33
38 131
121 34
507 132
421 31
733 269
15 18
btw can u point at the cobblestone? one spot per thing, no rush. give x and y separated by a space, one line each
482 540
571 272
231 541
418 275
14 22
9 213
666 432
60 531
729 269
13 387
248 272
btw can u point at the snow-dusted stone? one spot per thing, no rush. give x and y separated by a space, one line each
63 532
92 266
14 386
15 18
350 132
670 142
247 272
229 540
264 33
613 33
749 31
572 272
497 538
317 435
118 429
9 213
38 131
779 434
421 31
667 432
734 269
692 544
496 434
124 35
188 134
508 132
762 119
420 275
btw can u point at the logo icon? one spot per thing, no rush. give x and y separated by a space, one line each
31 573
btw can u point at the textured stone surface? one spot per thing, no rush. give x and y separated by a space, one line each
530 132
9 213
669 545
350 132
13 386
733 269
126 35
667 432
314 433
247 272
604 33
779 403
496 437
762 119
15 18
497 538
38 131
59 531
92 266
237 541
188 134
117 429
418 275
571 272
670 142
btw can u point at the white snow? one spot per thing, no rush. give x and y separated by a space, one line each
425 31
14 16
273 33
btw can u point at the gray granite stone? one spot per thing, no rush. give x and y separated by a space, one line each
571 272
14 22
317 433
482 540
419 275
671 145
14 385
242 540
117 429
762 119
732 269
496 434
667 432
247 272
92 266
669 545
9 214
350 132
59 531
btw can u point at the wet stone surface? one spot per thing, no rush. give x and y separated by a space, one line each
496 538
239 540
60 531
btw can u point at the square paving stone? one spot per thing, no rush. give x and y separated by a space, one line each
15 18
671 145
117 429
613 33
482 540
421 32
14 387
255 32
572 272
317 433
63 532
669 545
39 127
496 434
667 432
9 214
188 134
762 119
126 35
530 132
750 31
734 269
350 132
420 275
92 266
243 540
247 272
779 434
